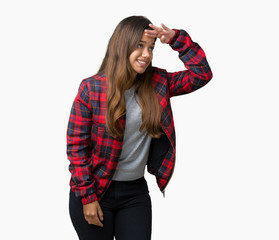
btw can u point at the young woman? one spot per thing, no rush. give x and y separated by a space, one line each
121 121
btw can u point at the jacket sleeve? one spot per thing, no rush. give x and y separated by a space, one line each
193 57
78 146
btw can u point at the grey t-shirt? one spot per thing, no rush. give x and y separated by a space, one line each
136 145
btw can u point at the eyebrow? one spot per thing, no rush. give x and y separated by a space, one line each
146 42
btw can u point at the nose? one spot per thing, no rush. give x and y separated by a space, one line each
145 52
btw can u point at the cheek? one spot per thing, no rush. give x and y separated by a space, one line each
132 57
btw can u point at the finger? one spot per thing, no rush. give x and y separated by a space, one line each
164 27
155 27
151 35
163 39
152 32
96 221
159 35
93 219
100 214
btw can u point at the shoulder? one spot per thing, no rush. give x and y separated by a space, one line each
94 83
95 79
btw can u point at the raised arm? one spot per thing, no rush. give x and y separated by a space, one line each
191 54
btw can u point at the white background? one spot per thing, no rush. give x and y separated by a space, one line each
226 177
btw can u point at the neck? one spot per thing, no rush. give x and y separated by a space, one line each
134 76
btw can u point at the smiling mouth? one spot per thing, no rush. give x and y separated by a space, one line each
142 63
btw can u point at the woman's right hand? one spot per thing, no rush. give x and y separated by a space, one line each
93 213
164 33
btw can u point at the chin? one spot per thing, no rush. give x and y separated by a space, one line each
140 71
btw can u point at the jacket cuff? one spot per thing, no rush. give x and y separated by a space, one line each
89 199
175 36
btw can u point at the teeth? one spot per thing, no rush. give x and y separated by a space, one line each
141 62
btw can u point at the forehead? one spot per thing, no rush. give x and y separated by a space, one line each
148 40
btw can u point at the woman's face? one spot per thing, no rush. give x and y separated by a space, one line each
142 56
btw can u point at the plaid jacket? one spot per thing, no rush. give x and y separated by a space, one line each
94 154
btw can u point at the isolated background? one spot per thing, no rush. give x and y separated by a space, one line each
226 178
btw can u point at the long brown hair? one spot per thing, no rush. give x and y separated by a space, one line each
120 77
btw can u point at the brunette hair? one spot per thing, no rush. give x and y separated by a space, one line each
120 77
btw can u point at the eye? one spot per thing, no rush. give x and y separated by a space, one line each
151 49
140 45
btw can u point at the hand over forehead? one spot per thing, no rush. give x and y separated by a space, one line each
163 33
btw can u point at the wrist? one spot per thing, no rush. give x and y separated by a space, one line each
173 38
89 199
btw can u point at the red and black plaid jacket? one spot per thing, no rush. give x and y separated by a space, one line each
94 154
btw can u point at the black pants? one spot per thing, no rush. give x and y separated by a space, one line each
127 213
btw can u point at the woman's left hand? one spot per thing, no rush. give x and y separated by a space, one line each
163 33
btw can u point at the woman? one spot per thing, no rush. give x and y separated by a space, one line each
121 121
